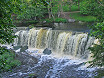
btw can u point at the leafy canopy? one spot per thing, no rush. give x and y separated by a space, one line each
7 8
96 8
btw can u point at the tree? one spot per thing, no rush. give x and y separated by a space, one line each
33 13
98 49
96 8
7 8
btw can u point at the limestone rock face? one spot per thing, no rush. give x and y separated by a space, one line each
47 51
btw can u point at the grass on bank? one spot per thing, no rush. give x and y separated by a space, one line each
66 8
79 17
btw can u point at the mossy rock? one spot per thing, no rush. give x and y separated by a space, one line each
32 75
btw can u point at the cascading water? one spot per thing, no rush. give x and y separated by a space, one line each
69 43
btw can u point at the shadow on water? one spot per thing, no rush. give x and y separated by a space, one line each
73 26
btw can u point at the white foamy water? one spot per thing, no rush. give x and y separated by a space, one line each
61 42
52 66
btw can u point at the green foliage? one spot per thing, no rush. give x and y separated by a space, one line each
7 7
99 27
98 49
55 9
100 73
31 15
93 8
88 7
49 20
31 26
96 8
66 8
7 60
32 12
74 8
79 17
60 20
84 7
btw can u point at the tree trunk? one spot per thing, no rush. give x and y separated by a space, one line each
49 13
70 4
78 4
60 11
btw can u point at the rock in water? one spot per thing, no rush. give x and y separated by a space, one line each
26 59
71 20
23 48
16 47
4 46
47 51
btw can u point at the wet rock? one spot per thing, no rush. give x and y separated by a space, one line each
28 28
80 22
71 20
25 58
16 47
47 51
48 67
23 48
4 46
44 21
56 24
33 75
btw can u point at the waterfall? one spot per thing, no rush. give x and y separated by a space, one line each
62 42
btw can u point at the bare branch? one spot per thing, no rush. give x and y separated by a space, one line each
100 3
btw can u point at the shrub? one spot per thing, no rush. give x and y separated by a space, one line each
49 20
7 60
98 49
31 26
87 7
74 8
66 8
